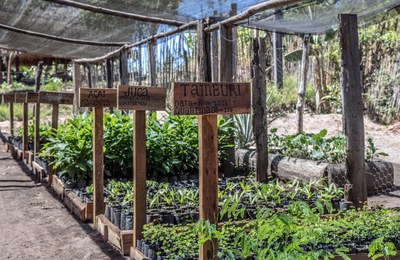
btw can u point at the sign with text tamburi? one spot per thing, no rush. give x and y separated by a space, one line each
62 98
141 98
97 97
210 98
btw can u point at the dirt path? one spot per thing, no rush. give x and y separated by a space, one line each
35 225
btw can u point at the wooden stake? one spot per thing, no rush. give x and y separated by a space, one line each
278 53
259 97
36 148
77 84
25 137
139 175
98 158
54 126
208 179
353 120
123 68
227 67
303 84
11 118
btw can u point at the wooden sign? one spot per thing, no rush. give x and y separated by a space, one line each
8 98
32 97
20 97
141 98
62 98
210 98
100 97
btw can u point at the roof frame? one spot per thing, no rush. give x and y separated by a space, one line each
112 12
61 39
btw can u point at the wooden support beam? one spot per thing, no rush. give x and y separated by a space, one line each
214 50
353 120
272 4
208 179
98 163
25 137
11 107
227 73
9 64
61 39
117 53
139 175
36 142
152 63
77 84
277 41
102 10
303 83
54 126
259 111
208 150
123 68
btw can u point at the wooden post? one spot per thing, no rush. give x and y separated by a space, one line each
36 148
227 69
123 68
1 70
303 84
98 158
152 63
277 39
77 84
11 118
214 53
139 174
10 60
103 98
25 137
259 97
89 75
353 121
208 151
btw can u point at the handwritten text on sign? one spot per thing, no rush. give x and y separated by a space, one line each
92 97
141 98
210 98
64 98
20 97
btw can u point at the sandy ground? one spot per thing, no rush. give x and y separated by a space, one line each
36 225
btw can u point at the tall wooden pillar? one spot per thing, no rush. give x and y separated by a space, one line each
77 84
208 150
227 73
353 120
98 163
277 41
259 111
36 148
123 68
303 84
152 63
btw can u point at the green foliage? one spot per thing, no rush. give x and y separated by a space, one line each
286 98
172 144
285 235
378 248
316 147
54 84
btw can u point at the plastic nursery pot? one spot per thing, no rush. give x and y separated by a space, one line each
152 218
139 245
107 212
129 222
117 217
122 221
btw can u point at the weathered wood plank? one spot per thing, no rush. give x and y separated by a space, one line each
25 137
141 98
210 98
32 97
353 120
61 98
8 98
98 163
208 178
20 97
96 97
139 175
58 186
137 255
259 97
